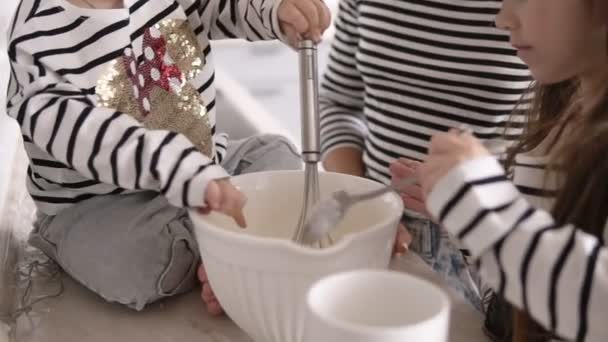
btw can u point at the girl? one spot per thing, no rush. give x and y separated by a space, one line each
116 103
539 236
399 72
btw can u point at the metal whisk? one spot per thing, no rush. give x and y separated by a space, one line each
311 143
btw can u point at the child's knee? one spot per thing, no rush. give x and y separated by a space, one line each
282 151
180 272
135 269
264 152
167 275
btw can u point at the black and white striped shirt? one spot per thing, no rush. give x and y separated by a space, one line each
557 273
401 71
79 148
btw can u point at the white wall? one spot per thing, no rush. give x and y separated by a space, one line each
6 13
8 142
8 128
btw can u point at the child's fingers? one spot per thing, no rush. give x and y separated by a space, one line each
399 249
409 162
239 218
232 202
430 173
397 166
312 16
324 15
291 15
233 206
414 204
402 241
404 238
399 170
293 37
445 143
414 191
237 209
213 196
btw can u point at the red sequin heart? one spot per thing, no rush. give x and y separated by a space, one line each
157 69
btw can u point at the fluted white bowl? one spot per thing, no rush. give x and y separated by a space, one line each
261 277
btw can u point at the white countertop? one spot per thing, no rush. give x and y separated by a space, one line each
81 316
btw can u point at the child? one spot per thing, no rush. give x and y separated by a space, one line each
539 234
116 104
401 71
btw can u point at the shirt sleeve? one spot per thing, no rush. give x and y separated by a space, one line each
102 144
557 273
248 19
342 88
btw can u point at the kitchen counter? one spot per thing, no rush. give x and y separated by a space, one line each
78 315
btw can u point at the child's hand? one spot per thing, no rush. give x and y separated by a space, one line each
402 241
224 197
303 18
448 150
412 196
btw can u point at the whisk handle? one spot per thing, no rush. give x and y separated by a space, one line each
309 101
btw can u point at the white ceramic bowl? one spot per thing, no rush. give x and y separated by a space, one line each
376 306
261 277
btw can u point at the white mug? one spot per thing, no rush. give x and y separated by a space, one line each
376 306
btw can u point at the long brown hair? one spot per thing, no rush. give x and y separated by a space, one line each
579 160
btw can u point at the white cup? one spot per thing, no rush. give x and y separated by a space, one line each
376 306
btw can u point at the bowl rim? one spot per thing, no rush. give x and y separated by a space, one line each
370 329
288 244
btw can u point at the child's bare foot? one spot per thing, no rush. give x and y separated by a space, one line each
212 304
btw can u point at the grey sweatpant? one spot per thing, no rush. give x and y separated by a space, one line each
135 249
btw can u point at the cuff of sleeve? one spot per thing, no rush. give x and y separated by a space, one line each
275 23
326 152
468 171
198 184
459 215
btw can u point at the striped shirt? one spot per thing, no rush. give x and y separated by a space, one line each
401 71
556 273
120 100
